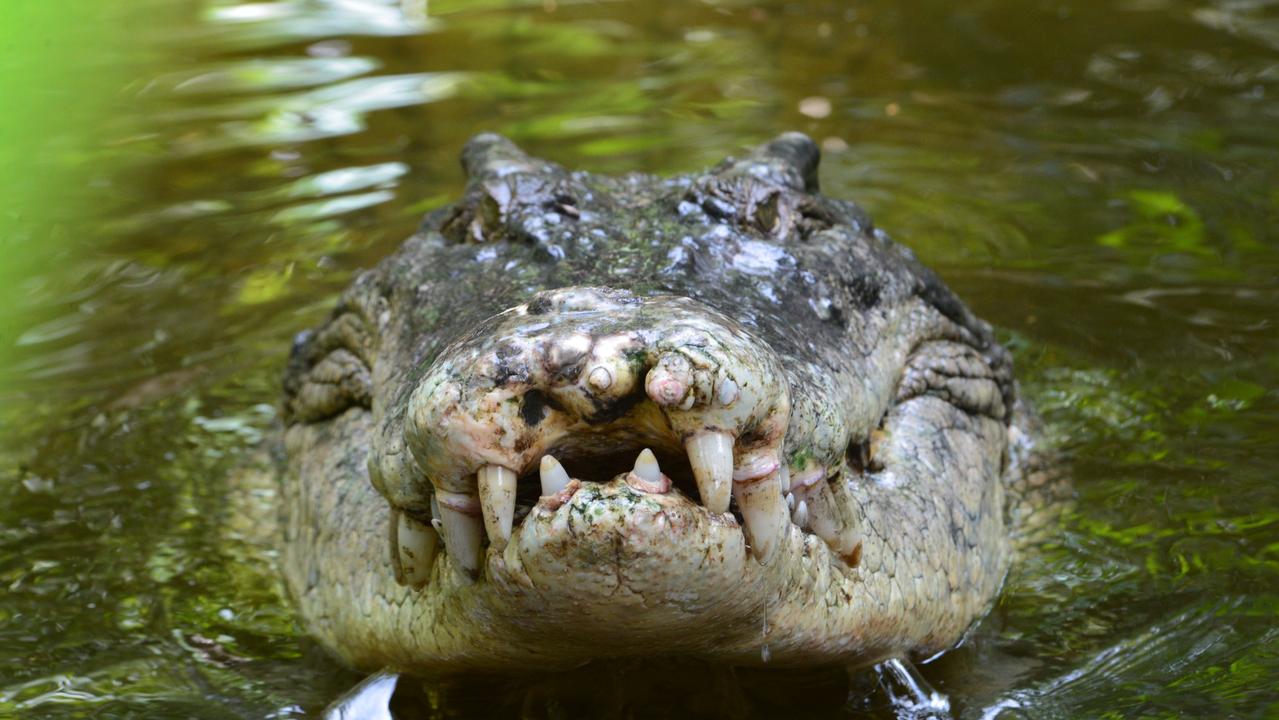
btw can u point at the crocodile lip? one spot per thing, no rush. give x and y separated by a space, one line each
597 399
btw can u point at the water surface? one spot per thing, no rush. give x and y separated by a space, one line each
1098 179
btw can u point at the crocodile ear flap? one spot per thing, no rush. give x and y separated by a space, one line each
489 155
789 160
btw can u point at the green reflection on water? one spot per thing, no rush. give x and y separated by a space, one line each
51 106
1096 179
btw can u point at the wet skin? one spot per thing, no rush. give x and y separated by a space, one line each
718 416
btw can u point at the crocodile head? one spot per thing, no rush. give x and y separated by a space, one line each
717 415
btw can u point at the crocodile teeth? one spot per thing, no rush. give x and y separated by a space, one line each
764 513
646 466
831 520
414 544
758 467
727 392
711 455
463 530
801 514
497 500
601 378
646 476
554 477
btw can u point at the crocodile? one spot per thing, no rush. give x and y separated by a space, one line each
716 416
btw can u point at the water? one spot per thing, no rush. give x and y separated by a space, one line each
1098 179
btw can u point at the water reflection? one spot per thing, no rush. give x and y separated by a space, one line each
329 111
1096 179
249 25
261 75
1192 648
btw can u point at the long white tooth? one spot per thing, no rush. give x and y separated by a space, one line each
833 521
646 467
801 514
463 530
711 455
554 477
764 514
497 500
646 476
416 544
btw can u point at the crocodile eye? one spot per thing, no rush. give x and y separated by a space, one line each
329 371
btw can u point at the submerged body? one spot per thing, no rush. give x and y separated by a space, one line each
717 416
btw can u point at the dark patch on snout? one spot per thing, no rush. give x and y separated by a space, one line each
541 304
511 365
533 409
607 411
863 291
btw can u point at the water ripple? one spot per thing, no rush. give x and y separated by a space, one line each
263 75
251 25
1117 676
326 112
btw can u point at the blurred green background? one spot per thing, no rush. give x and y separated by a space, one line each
57 79
187 183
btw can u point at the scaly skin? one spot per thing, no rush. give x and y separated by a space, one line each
865 423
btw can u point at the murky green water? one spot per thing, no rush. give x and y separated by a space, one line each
1101 180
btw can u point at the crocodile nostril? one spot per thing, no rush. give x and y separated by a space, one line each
533 409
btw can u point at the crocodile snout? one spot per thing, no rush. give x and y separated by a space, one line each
579 377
